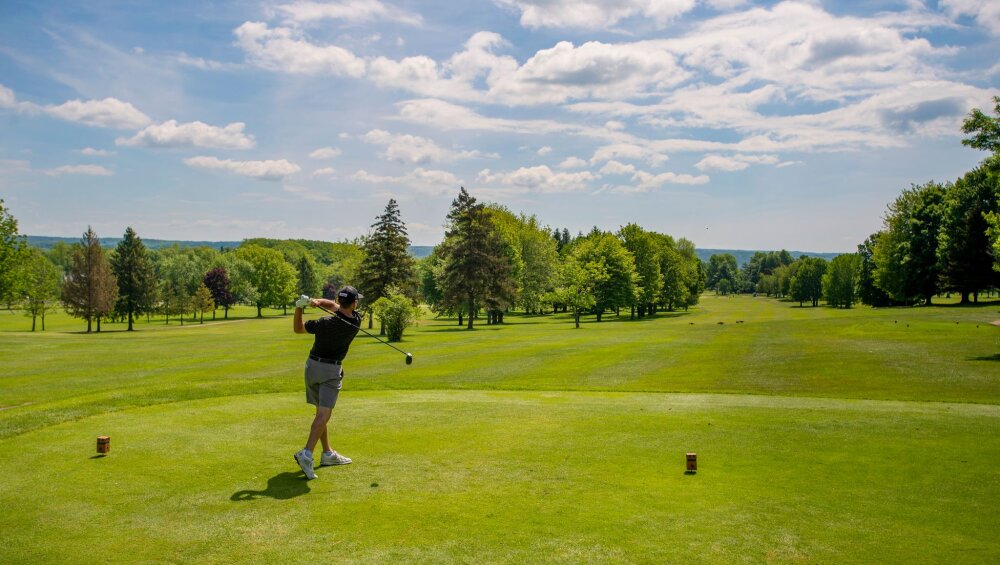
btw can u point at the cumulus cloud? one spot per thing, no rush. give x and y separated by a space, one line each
595 14
537 179
7 98
423 180
106 113
647 181
545 150
572 163
415 149
351 11
192 134
985 12
260 170
617 168
324 172
325 153
284 49
92 170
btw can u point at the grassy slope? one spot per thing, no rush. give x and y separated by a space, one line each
533 473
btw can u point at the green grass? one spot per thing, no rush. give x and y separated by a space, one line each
823 436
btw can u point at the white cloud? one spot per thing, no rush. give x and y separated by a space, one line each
423 180
260 170
91 152
324 172
325 153
414 149
985 12
647 181
538 179
617 168
201 63
191 134
635 150
595 14
107 113
543 151
7 98
93 170
283 49
572 163
351 11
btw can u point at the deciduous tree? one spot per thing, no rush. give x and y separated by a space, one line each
90 289
41 286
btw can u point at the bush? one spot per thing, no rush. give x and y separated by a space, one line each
395 312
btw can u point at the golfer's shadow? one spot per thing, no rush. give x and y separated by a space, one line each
280 487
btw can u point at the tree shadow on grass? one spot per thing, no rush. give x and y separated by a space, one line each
994 357
282 486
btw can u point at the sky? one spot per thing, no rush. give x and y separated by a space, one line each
736 124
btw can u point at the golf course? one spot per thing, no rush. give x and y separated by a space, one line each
822 435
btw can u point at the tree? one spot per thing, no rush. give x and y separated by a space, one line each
217 282
840 280
90 290
807 284
722 266
647 252
203 301
985 130
619 288
906 257
270 276
13 255
387 259
470 252
136 276
578 283
41 285
724 287
964 250
868 292
395 312
308 280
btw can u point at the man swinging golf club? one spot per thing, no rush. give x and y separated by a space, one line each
324 368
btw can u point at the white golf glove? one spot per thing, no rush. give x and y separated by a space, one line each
302 302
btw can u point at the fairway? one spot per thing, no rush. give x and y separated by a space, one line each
823 436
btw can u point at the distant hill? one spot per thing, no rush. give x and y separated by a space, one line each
743 255
417 251
45 242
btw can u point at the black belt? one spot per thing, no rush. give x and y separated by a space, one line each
324 360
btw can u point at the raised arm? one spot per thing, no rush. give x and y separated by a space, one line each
297 325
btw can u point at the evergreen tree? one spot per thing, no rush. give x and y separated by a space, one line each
308 279
136 277
471 258
964 248
90 290
387 259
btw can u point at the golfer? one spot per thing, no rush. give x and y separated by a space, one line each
324 368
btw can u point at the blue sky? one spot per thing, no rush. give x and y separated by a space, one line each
750 125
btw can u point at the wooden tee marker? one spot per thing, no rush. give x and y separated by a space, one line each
103 445
692 462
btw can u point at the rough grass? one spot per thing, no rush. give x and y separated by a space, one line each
842 436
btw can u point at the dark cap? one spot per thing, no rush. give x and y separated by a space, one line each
349 295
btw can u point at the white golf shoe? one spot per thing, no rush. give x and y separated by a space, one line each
333 458
305 461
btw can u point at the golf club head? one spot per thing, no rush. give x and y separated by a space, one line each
409 358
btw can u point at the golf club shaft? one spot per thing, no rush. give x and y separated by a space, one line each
363 331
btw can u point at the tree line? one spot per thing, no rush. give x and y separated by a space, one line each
936 238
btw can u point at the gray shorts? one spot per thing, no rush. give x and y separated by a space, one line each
323 383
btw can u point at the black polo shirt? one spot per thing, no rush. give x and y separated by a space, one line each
333 337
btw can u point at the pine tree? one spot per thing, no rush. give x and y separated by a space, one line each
90 290
475 269
136 277
387 259
308 280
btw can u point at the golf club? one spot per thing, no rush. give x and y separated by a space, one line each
409 356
